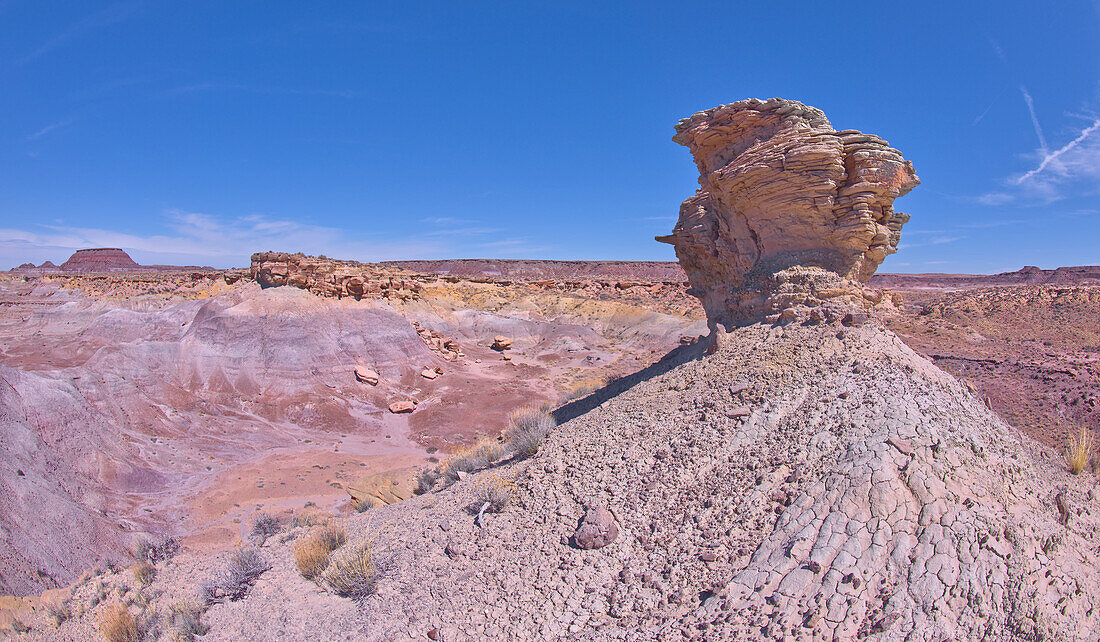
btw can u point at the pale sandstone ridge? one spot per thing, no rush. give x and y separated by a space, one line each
787 206
332 278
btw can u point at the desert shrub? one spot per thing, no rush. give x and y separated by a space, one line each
185 620
362 504
99 592
308 518
58 611
354 573
527 429
144 572
116 624
1079 450
426 480
19 627
246 565
312 552
155 552
583 388
494 493
265 525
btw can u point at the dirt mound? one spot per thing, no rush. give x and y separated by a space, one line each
103 259
808 481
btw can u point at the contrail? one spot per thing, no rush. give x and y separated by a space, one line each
1035 121
1047 158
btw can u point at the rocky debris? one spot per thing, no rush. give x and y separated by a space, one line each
331 278
501 343
444 346
103 259
402 407
791 214
366 375
596 530
429 373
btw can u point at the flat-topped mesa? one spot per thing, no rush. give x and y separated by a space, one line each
332 278
99 259
792 216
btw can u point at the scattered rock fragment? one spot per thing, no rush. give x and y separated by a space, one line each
597 529
366 375
501 343
401 407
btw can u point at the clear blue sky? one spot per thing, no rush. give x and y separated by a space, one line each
200 131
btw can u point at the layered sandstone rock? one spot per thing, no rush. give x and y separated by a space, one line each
332 278
781 190
102 259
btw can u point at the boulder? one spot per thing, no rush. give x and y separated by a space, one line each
428 373
402 407
790 215
501 343
366 375
596 530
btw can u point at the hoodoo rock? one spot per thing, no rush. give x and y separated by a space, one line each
792 216
103 259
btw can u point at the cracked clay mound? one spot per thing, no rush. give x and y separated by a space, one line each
817 482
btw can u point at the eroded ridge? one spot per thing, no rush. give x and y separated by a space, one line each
780 189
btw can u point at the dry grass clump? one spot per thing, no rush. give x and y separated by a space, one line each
185 620
312 552
353 574
1080 450
494 493
308 518
583 388
246 565
265 525
155 552
144 572
473 458
426 480
362 504
116 624
527 429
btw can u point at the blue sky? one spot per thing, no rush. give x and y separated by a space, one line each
201 131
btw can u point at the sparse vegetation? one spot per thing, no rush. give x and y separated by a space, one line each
185 620
353 574
1080 450
246 565
156 552
144 572
117 624
313 517
426 480
494 493
58 611
312 552
265 525
527 429
583 388
362 504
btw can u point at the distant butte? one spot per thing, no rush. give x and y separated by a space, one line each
101 259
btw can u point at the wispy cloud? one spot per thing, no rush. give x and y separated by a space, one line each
1049 158
49 128
103 18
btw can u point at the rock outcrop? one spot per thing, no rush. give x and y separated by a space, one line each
102 259
791 214
331 278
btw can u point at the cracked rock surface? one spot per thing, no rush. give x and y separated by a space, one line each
802 482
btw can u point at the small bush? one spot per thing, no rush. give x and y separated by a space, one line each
245 566
354 573
58 611
527 429
265 525
156 552
494 493
426 480
312 552
583 388
116 624
308 518
185 620
144 572
1080 450
362 504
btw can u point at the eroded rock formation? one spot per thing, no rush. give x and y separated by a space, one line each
792 216
331 278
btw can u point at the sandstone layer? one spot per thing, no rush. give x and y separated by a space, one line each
784 200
